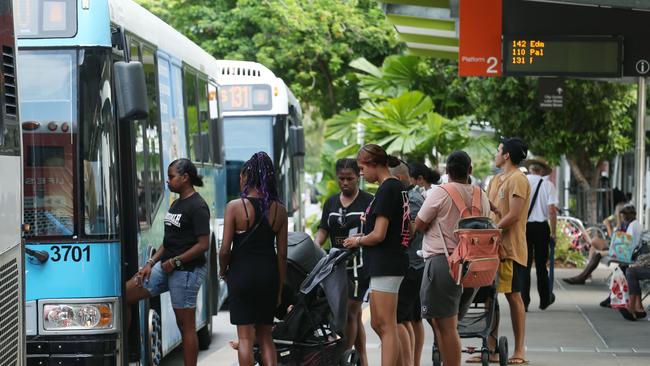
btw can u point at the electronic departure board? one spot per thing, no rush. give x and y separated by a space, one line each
562 56
236 98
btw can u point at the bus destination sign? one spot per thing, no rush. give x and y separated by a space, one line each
563 56
237 98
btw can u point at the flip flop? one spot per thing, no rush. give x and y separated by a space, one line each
517 361
477 359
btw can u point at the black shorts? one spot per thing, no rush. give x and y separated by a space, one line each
358 287
511 277
408 298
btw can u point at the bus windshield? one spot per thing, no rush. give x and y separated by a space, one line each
69 142
48 89
245 136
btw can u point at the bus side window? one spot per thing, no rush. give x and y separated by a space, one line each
216 126
204 121
149 171
191 114
154 158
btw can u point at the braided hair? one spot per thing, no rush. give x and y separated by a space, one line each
259 174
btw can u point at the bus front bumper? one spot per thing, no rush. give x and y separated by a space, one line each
96 350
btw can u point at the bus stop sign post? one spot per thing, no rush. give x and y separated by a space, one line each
639 152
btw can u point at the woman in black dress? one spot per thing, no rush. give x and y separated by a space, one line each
386 237
253 258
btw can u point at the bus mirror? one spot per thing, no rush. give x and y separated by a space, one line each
130 91
297 141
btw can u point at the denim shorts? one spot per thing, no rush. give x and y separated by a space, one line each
183 286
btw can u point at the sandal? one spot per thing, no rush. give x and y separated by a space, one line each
517 361
627 314
477 359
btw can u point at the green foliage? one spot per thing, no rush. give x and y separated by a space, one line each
308 43
395 114
564 253
595 123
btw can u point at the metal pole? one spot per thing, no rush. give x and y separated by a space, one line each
639 152
565 184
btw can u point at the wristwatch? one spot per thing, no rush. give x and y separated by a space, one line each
178 264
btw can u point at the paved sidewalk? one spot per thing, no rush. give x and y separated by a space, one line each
573 331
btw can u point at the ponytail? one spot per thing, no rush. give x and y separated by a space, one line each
185 166
375 154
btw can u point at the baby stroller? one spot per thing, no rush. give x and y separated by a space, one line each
311 333
302 256
478 309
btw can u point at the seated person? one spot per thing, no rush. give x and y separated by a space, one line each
629 225
636 273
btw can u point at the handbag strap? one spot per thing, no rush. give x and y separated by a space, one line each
252 230
532 203
465 211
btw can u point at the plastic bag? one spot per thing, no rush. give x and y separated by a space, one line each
619 294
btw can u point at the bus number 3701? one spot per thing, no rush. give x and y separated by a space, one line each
70 253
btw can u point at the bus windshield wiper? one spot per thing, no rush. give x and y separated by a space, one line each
41 255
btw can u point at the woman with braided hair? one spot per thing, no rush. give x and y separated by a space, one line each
254 226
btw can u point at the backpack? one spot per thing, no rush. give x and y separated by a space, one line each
476 260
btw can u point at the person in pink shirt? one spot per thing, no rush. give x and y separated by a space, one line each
438 218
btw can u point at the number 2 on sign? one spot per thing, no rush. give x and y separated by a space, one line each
493 62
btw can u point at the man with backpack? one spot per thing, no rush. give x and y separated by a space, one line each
440 294
509 192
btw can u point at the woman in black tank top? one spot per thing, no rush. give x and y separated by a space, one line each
253 257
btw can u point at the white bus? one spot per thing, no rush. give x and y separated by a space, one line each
11 248
261 114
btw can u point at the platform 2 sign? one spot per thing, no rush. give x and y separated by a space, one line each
563 56
479 52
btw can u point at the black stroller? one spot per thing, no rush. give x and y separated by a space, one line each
476 316
310 334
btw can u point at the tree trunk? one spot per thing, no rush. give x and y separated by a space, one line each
329 81
587 176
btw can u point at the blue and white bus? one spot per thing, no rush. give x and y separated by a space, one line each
12 326
96 145
261 113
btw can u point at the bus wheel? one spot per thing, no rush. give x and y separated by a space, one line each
205 335
155 337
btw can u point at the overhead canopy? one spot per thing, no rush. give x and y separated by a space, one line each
428 27
625 4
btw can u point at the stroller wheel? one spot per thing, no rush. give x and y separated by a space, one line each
436 358
485 357
350 358
503 351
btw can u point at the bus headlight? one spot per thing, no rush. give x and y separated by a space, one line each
93 316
